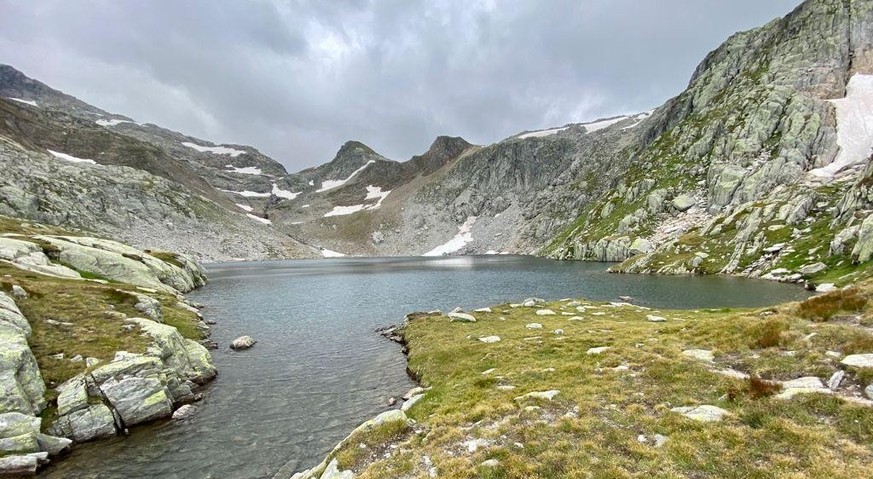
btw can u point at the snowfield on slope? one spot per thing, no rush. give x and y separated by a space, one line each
20 100
331 184
854 126
246 170
70 158
216 150
280 193
460 240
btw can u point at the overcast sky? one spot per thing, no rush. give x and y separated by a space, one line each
298 78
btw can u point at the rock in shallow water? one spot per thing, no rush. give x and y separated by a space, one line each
243 342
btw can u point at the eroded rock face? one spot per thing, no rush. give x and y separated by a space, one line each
21 386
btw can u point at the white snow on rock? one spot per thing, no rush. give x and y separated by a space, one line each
375 192
21 100
343 210
542 133
247 170
112 122
248 194
258 218
639 119
216 150
601 124
463 237
331 254
331 184
70 158
280 193
854 126
246 208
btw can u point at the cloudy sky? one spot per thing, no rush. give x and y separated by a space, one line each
297 78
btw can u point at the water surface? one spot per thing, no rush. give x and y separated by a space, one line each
319 370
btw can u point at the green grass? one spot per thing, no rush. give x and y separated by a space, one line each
606 401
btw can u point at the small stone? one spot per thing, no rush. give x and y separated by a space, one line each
482 310
77 358
835 380
858 360
869 391
184 412
461 317
808 382
243 342
490 339
488 371
545 312
810 269
534 326
703 413
655 319
411 402
413 392
593 351
19 292
457 310
558 332
575 318
490 463
825 288
545 395
701 354
660 440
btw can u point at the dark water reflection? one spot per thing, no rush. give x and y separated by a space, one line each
319 370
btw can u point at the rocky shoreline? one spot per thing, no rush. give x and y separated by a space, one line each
60 294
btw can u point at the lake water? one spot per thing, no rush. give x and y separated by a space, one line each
319 369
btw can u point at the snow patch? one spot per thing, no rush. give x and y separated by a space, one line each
306 206
258 218
854 126
343 210
246 208
463 237
112 122
21 100
375 192
331 184
279 192
330 254
70 158
248 170
542 133
216 150
639 119
248 194
599 125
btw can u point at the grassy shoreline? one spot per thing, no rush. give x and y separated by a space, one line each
613 414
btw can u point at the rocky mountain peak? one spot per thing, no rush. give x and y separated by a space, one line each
442 150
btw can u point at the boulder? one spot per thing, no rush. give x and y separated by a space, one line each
332 472
17 466
411 402
189 359
683 202
53 445
30 256
72 395
138 400
641 246
94 422
461 317
863 249
811 269
243 342
185 412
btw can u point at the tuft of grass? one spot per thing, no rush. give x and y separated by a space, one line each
826 306
769 334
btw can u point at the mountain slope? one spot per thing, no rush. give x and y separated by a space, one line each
747 170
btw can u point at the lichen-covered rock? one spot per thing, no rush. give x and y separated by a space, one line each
136 399
18 466
72 395
243 342
30 256
683 203
190 360
93 422
21 386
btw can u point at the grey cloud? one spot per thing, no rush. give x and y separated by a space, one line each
298 78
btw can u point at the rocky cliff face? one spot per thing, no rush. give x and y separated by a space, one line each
747 171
